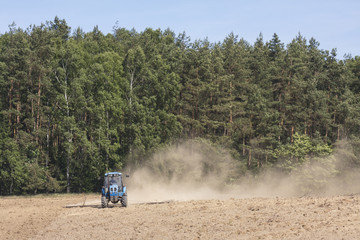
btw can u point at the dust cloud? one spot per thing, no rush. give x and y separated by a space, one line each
187 171
199 171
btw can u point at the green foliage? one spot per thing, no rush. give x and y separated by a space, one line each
293 155
12 171
75 106
38 179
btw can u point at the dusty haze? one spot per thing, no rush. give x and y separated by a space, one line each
199 171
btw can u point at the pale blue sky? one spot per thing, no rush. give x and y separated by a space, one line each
335 24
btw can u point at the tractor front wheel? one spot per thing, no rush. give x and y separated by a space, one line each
124 201
104 202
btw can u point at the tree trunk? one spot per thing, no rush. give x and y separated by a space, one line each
249 159
68 173
47 143
231 115
70 139
281 123
11 186
38 106
32 114
243 146
131 86
326 133
10 101
18 109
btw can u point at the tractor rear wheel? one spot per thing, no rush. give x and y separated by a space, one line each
124 201
104 202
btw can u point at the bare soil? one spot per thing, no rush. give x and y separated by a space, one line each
47 217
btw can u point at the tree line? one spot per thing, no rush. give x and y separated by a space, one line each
77 104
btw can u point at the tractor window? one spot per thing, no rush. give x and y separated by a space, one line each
113 179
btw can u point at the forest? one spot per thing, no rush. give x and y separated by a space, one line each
76 104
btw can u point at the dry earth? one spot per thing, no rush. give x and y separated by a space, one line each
46 217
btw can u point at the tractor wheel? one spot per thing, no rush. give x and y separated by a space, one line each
104 202
124 201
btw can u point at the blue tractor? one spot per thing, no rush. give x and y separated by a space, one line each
113 189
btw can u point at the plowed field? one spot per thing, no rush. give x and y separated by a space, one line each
47 217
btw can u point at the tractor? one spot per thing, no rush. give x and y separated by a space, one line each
113 189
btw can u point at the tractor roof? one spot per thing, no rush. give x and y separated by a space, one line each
119 173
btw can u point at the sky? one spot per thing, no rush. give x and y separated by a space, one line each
333 23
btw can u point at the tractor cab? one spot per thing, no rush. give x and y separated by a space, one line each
113 179
113 189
